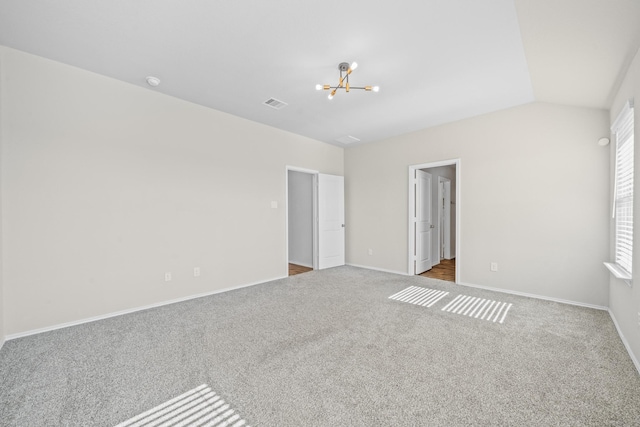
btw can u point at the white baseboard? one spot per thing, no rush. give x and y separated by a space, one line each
384 270
542 297
132 310
625 342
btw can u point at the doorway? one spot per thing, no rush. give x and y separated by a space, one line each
315 228
301 221
434 219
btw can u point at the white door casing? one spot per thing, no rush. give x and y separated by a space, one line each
456 212
331 251
314 208
423 222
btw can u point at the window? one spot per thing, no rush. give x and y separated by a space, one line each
623 194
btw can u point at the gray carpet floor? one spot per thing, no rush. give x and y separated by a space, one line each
329 348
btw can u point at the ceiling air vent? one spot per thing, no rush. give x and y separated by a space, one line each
347 139
275 103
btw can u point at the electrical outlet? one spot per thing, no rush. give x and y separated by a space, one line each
370 251
196 271
167 277
494 266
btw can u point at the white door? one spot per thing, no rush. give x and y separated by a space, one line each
444 215
423 222
330 221
441 216
447 219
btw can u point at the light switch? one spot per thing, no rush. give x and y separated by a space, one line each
274 205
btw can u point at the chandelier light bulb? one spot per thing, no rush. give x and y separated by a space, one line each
318 87
330 96
354 65
376 88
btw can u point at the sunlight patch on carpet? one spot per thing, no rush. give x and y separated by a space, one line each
420 296
478 308
199 407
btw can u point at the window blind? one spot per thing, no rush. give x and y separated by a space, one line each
623 198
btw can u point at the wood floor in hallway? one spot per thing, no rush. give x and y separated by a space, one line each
297 269
446 270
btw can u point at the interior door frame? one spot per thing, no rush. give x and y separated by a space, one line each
314 174
411 259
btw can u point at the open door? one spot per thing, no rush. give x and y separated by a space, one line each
445 215
330 221
423 223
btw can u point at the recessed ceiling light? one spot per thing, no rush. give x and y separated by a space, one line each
153 81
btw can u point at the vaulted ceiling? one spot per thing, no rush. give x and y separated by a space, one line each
435 61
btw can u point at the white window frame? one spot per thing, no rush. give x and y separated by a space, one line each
623 131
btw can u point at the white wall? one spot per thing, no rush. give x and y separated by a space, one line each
534 198
301 218
107 186
624 302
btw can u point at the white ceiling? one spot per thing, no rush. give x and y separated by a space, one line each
435 61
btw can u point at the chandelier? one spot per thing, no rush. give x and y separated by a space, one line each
345 70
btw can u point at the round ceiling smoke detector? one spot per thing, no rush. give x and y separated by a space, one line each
153 81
